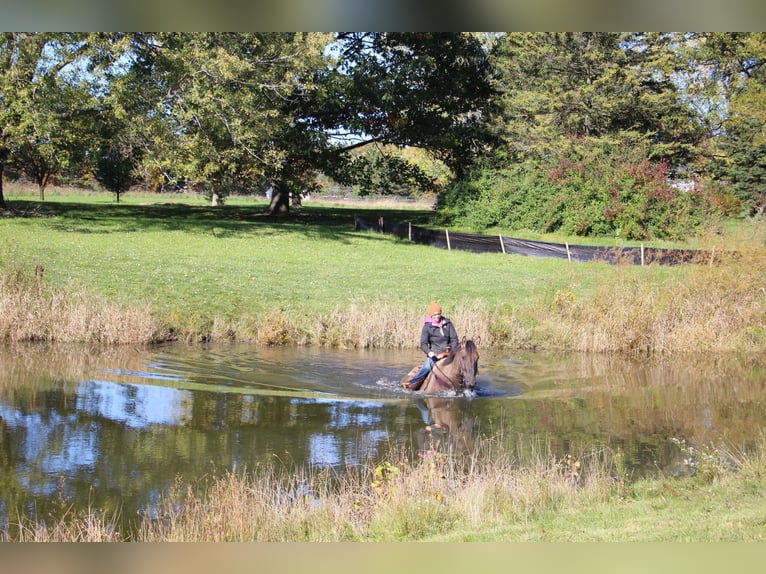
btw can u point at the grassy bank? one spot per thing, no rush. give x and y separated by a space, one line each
83 268
483 496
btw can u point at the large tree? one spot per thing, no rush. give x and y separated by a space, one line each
276 108
592 127
560 89
209 107
46 89
423 90
727 73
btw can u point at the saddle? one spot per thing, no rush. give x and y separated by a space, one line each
407 382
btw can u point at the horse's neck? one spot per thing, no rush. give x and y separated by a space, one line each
453 371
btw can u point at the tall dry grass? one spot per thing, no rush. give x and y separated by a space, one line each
718 308
359 325
439 494
394 500
87 526
30 310
702 308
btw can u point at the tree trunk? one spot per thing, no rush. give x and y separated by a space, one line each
2 197
41 187
3 157
280 200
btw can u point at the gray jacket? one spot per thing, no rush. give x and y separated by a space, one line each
438 339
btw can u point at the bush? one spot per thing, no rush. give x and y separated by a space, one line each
594 189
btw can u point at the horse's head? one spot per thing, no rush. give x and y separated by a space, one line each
467 356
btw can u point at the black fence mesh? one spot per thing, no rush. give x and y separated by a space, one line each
499 244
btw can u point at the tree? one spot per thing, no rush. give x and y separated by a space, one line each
45 95
591 128
54 134
115 167
559 89
422 90
731 73
246 109
209 107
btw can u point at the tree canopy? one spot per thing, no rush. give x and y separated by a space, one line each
47 105
596 132
512 117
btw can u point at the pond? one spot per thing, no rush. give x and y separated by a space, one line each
113 428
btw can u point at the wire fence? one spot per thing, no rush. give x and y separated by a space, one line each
499 244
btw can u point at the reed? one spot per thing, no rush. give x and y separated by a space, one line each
87 526
719 307
30 310
485 495
393 500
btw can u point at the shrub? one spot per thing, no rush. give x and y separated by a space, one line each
592 189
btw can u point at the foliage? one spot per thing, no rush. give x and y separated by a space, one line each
47 105
731 71
115 167
422 90
257 109
384 474
383 171
593 128
208 107
598 188
405 114
555 89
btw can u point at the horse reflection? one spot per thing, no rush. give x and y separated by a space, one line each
448 426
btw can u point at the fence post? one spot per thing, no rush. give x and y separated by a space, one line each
448 245
569 255
409 231
642 255
502 245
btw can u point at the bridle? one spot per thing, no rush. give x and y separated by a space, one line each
461 358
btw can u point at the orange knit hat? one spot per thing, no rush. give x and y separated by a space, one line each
434 308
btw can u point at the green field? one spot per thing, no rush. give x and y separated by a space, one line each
233 260
233 271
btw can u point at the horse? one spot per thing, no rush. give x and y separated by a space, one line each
456 372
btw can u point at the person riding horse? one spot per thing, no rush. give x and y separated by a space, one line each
437 338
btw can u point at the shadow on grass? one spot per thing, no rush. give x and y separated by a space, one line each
321 222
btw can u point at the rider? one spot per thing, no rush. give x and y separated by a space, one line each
437 339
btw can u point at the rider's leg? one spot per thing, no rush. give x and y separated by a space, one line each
423 372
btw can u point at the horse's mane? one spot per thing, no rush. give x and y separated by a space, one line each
471 351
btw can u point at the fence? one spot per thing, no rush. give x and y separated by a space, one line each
499 244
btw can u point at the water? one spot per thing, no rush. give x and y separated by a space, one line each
112 429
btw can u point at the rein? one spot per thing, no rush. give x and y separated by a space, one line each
455 385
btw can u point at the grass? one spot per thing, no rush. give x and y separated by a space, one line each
202 273
445 496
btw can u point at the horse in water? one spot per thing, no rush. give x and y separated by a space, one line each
456 372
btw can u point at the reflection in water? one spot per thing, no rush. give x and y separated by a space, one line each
448 425
112 428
